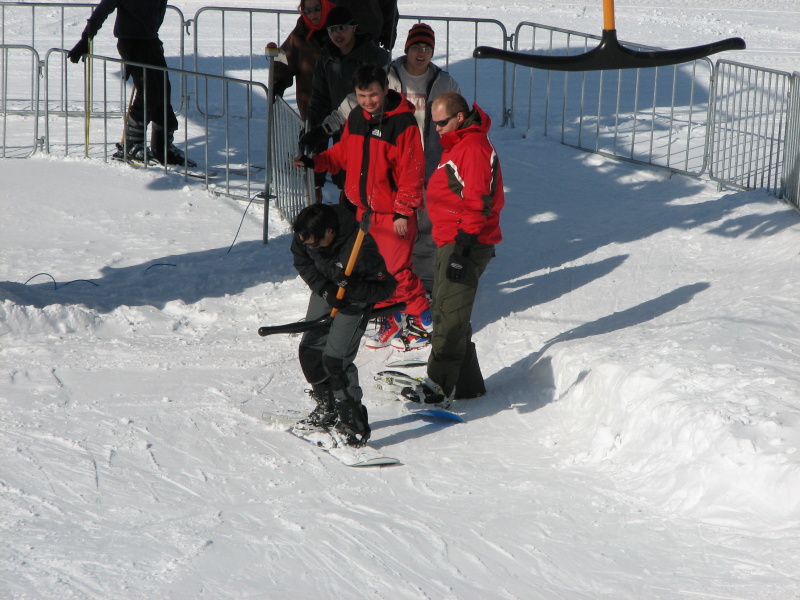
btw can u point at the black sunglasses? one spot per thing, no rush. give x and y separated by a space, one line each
338 28
444 122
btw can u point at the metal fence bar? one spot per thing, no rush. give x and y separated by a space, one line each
752 111
19 103
790 181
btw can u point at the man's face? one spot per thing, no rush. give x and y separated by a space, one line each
313 10
372 98
443 121
343 37
418 58
324 242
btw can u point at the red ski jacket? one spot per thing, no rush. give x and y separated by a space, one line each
383 159
466 190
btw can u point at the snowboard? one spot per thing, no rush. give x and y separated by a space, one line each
394 382
329 441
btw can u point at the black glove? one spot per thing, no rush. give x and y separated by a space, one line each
458 260
314 138
340 279
328 294
307 161
80 50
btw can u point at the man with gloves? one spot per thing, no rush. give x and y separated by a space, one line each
465 197
322 243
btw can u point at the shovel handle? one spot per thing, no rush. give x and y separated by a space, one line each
608 15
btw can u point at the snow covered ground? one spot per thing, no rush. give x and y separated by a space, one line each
638 332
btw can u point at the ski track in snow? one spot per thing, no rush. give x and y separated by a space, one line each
638 334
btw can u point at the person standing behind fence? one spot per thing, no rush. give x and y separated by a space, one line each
300 51
421 82
136 29
377 18
342 54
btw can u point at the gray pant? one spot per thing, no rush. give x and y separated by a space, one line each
453 362
327 353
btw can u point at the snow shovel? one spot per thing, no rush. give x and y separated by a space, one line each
610 54
303 326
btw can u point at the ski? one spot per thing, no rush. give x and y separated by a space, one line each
394 382
407 363
154 164
329 441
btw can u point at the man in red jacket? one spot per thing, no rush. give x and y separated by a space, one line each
381 154
465 197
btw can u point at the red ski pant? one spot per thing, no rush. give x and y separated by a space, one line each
397 254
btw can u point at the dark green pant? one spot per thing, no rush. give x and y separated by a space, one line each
453 362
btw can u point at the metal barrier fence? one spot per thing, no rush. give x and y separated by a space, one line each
656 116
293 188
791 163
19 101
94 97
740 122
231 41
751 111
46 25
86 120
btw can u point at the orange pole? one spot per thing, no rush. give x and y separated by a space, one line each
608 15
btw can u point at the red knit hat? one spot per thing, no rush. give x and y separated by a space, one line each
421 33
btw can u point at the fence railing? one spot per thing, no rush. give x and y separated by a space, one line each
791 164
751 114
84 119
231 41
19 101
738 122
46 25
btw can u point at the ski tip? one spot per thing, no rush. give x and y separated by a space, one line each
439 414
407 364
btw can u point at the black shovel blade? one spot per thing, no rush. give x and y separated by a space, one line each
303 326
610 55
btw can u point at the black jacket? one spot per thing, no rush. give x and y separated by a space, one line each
333 75
136 19
370 281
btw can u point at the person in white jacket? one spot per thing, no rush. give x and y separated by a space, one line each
421 81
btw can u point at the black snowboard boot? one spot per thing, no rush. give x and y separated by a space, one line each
324 413
353 423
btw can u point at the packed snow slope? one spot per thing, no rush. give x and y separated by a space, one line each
639 439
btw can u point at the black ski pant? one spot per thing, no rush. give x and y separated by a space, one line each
453 361
327 353
151 102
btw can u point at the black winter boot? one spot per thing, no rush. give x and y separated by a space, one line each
353 423
324 413
159 145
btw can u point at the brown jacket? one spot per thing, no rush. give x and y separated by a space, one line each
299 53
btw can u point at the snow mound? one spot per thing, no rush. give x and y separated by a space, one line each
20 321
